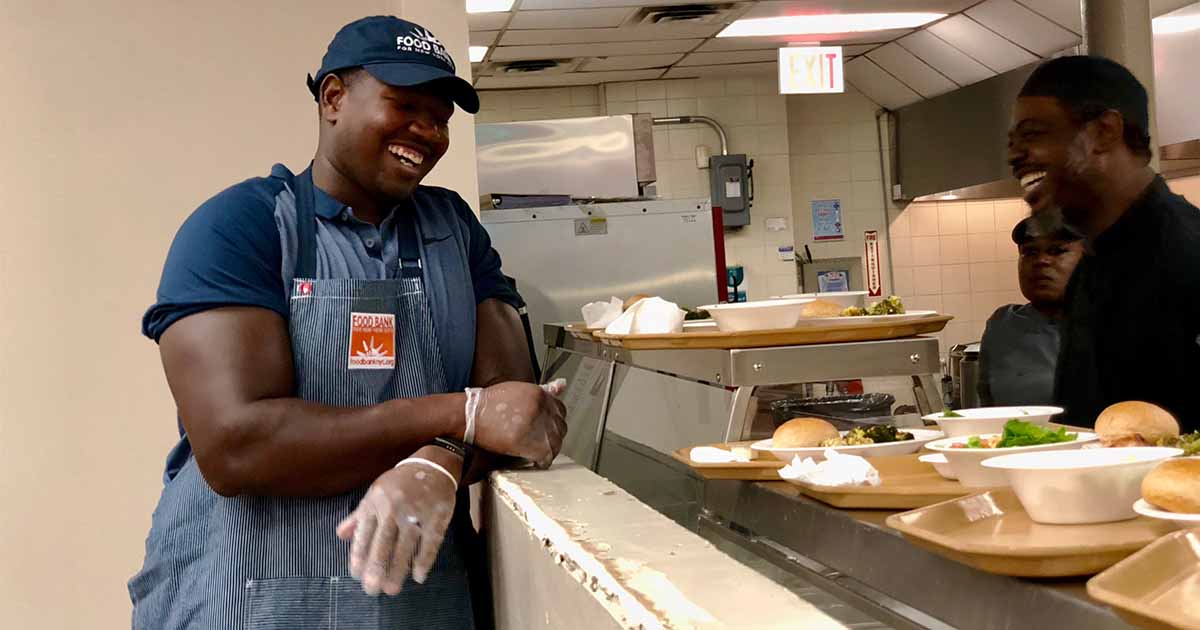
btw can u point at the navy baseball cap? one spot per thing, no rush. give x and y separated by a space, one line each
1031 228
398 53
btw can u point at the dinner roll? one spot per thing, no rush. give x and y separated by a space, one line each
822 308
1135 423
803 433
1174 485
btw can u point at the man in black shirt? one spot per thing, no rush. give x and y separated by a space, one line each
1081 149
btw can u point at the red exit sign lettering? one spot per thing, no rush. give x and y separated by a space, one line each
811 70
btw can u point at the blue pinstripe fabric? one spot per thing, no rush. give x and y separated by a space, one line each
258 563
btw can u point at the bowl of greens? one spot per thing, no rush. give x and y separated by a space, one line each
982 420
965 454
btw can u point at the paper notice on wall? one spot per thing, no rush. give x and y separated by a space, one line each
776 224
787 253
827 220
834 280
733 189
874 277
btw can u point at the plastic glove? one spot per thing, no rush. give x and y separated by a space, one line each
519 419
406 510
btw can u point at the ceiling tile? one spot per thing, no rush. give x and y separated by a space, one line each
948 60
1024 27
630 62
911 71
859 49
724 70
733 56
877 85
487 21
589 4
483 38
574 18
571 78
1065 13
771 8
986 47
509 53
597 35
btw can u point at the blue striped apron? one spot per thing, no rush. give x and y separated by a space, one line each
267 563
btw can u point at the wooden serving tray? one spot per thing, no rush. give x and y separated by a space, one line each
906 483
764 469
833 332
992 532
1157 586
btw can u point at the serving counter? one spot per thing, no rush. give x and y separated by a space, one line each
629 410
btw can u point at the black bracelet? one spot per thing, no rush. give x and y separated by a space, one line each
458 448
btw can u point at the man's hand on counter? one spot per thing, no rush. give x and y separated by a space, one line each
519 419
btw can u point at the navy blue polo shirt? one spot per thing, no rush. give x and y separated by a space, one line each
239 247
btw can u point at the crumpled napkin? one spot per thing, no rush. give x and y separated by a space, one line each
837 470
714 455
601 314
650 316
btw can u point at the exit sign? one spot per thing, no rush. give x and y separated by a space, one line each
810 70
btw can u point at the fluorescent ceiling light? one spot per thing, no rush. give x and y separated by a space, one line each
1169 25
477 53
828 23
488 6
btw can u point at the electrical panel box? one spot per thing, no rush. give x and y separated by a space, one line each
732 184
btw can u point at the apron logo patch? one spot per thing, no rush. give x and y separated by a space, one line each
303 288
372 341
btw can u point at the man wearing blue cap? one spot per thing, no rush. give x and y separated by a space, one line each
338 342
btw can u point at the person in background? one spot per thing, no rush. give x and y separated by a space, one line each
318 331
1080 147
1020 345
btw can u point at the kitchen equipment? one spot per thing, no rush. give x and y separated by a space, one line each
731 181
920 438
981 420
1082 486
992 532
847 329
964 375
565 257
906 483
1155 588
737 275
757 315
967 463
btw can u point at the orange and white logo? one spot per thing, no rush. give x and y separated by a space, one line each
372 341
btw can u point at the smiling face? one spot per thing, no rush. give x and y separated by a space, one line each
1052 155
383 139
1045 268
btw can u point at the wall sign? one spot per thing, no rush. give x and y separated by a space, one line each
874 279
827 220
811 70
833 281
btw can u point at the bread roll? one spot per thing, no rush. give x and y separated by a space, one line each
1174 485
633 300
803 433
1135 423
822 308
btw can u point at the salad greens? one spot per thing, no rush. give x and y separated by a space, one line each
1019 433
950 413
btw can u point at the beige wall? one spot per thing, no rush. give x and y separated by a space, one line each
121 116
754 116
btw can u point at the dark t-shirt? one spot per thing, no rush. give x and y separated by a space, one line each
1132 330
1017 357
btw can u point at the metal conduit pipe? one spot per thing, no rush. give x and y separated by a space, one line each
697 120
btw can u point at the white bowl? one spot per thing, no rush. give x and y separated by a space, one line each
921 437
940 464
1179 520
990 419
844 298
1081 486
761 315
966 463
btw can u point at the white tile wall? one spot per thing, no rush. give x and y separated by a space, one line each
755 118
965 252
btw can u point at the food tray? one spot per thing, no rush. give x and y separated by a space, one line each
1157 586
992 532
766 468
835 330
906 483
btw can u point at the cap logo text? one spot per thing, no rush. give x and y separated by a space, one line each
420 40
